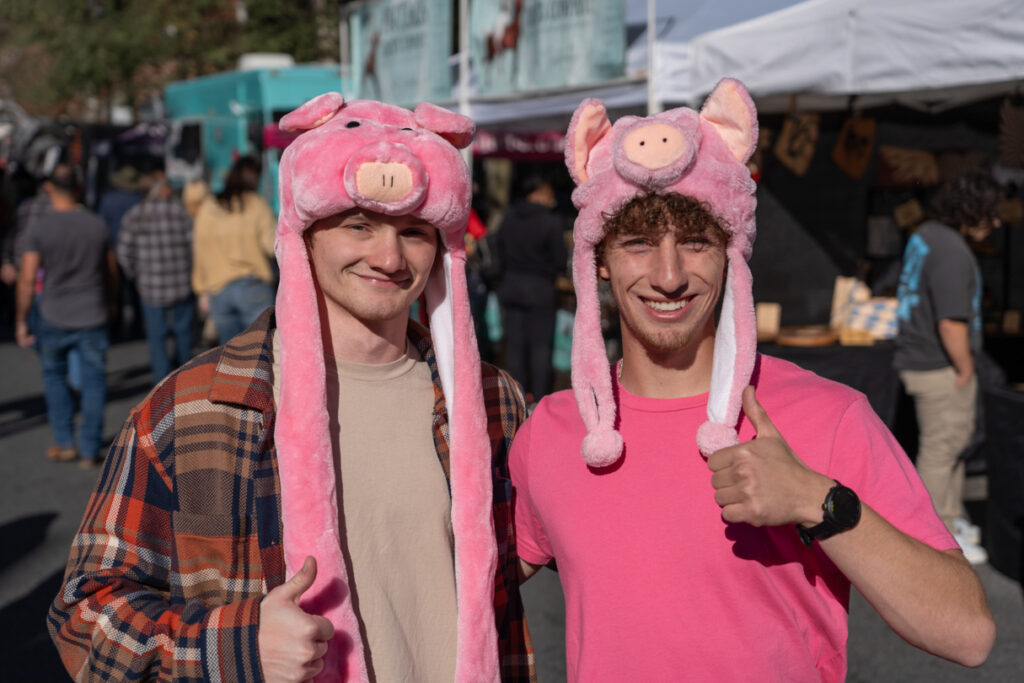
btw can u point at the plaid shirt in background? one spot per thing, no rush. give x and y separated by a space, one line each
182 537
154 247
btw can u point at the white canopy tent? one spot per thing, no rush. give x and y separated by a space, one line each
925 53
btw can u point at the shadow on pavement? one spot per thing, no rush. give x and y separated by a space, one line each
19 537
30 411
27 653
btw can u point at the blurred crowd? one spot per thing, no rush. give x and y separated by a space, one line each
186 269
182 268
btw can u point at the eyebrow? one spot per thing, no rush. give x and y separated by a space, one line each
355 217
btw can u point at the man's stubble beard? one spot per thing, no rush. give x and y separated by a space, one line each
660 341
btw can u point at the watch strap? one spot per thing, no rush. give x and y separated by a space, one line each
824 529
828 526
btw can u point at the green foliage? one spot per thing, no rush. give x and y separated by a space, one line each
61 51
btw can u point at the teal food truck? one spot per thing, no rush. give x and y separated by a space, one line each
217 118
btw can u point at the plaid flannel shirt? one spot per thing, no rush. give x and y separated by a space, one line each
182 537
154 247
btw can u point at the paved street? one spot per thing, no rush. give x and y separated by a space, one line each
42 502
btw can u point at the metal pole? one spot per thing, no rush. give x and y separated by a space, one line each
653 105
344 54
467 153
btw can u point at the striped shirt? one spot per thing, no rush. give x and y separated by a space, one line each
182 537
154 247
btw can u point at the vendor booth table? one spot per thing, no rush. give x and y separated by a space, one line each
868 369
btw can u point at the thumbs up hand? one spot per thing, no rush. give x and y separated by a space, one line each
292 643
762 482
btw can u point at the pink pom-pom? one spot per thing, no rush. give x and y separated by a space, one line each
602 447
712 437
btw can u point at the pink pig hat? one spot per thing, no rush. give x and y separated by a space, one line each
396 162
700 155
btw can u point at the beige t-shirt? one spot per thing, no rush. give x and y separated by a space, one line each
396 516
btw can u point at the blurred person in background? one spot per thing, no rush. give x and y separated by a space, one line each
154 249
73 245
25 213
940 336
233 243
531 253
193 195
14 244
478 258
27 210
8 274
126 190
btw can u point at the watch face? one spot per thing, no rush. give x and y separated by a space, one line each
845 507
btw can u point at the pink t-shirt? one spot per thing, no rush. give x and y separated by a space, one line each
657 586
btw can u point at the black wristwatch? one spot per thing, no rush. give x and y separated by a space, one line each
842 512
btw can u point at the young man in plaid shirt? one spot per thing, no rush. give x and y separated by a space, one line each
154 248
333 442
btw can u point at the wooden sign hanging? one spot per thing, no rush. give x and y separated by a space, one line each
795 146
955 164
1011 135
852 151
901 167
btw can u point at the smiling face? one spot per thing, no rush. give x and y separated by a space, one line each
371 267
664 257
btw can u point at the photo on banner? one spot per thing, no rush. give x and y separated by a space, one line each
400 50
535 45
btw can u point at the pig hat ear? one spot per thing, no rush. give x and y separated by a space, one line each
730 111
457 129
588 127
708 165
314 113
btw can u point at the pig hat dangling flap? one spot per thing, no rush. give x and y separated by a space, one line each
337 164
698 154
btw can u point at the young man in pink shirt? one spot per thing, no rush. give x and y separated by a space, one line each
711 530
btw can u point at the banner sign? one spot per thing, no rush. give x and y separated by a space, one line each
400 49
532 45
544 146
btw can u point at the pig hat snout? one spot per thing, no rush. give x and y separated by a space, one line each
698 154
656 154
394 187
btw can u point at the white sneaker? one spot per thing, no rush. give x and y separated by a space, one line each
963 529
974 553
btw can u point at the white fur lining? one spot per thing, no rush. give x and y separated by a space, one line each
723 369
439 306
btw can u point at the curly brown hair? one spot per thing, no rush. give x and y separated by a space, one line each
967 200
653 215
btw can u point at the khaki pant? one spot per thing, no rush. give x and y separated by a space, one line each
945 417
